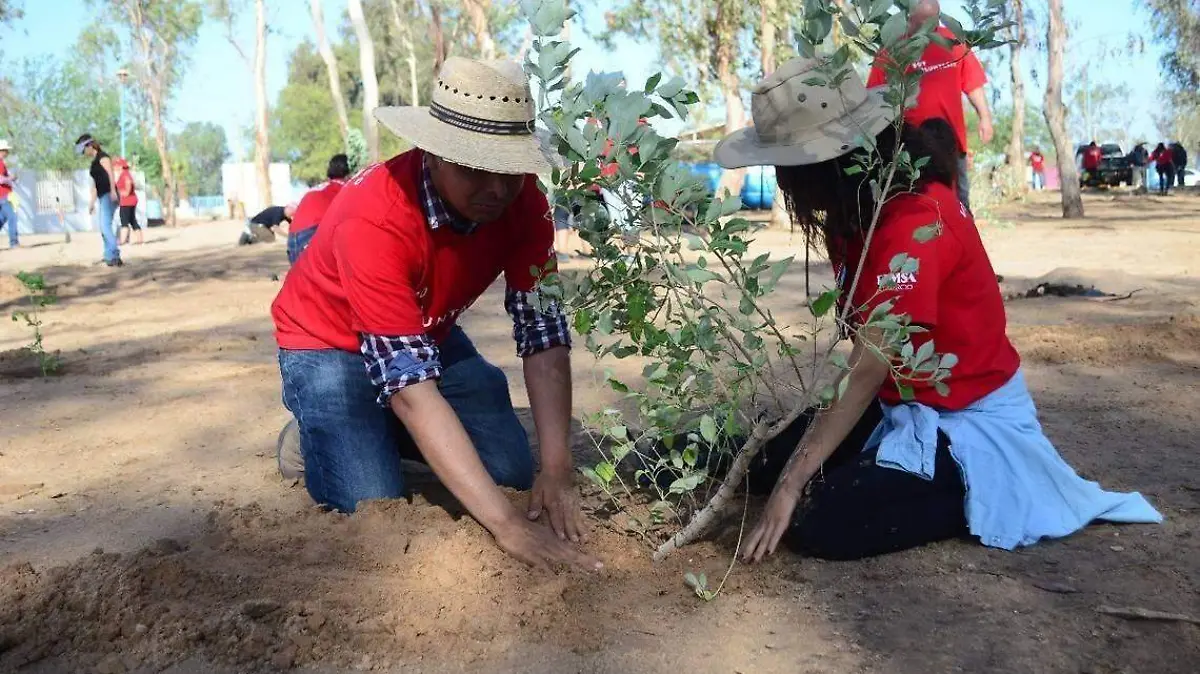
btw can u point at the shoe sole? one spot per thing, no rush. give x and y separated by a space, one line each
287 452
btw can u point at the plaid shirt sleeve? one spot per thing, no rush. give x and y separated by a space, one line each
535 331
397 362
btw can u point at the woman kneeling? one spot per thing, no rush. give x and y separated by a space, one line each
887 472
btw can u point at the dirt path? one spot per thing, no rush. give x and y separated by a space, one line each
143 528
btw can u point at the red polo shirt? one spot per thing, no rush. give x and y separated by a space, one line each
1038 161
314 204
948 74
5 190
953 293
375 266
124 180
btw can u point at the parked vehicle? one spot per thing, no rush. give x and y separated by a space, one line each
1114 167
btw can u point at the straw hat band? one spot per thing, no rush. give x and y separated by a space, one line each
479 124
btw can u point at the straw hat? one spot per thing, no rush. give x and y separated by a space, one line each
4 145
797 123
481 116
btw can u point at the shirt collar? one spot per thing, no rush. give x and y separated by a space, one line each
437 213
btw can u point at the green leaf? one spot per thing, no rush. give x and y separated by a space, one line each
708 429
897 262
694 242
652 83
777 271
621 451
839 360
942 388
824 302
690 454
605 324
698 275
841 387
927 233
618 432
606 472
686 483
925 352
906 392
948 361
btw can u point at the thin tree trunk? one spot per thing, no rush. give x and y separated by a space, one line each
766 39
410 53
154 82
438 33
331 67
725 28
1056 113
1016 145
366 58
262 139
477 13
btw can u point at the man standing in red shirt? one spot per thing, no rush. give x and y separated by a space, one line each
374 365
948 74
8 215
1091 162
1037 162
313 205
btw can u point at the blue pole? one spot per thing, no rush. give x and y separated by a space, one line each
123 119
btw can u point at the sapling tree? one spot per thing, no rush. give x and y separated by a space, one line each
40 296
675 282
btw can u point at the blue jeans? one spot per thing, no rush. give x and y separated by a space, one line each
1039 180
298 241
352 446
964 182
108 231
8 218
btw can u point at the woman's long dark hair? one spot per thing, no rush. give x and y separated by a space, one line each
832 206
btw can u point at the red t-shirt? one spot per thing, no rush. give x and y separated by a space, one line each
125 181
5 190
949 73
953 293
375 266
1038 161
1092 157
314 204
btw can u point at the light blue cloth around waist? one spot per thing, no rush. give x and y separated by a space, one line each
1019 490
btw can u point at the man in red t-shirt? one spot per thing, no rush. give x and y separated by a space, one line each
312 206
8 215
1037 162
374 365
948 74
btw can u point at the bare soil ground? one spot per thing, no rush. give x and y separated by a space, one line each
143 527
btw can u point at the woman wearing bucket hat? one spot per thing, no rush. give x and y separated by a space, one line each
374 365
104 194
896 474
8 215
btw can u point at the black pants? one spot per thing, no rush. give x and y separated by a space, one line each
129 217
1179 174
1166 179
854 508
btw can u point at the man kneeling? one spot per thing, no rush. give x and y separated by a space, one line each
374 364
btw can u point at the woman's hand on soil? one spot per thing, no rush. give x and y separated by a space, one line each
554 493
538 546
773 522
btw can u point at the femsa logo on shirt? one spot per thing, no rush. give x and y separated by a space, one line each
898 281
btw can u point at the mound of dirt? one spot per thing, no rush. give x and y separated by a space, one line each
11 289
395 584
1110 345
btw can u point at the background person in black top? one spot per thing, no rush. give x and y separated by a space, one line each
1179 154
261 227
104 195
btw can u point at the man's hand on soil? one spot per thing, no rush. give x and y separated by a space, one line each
538 546
554 493
773 522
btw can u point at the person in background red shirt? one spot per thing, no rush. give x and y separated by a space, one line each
375 367
1092 155
1037 162
8 215
128 201
313 204
1164 162
948 74
887 463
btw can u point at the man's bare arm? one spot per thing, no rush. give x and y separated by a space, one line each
979 101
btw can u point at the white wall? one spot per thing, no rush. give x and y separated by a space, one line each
32 220
239 182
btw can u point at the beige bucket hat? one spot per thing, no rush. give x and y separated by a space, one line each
797 123
481 116
4 144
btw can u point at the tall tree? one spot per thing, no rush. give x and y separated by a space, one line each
1177 25
437 31
726 27
331 66
477 11
1016 144
1056 113
766 35
160 32
229 11
200 150
366 59
404 27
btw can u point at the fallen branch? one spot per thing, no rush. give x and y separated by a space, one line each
1138 613
1124 297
